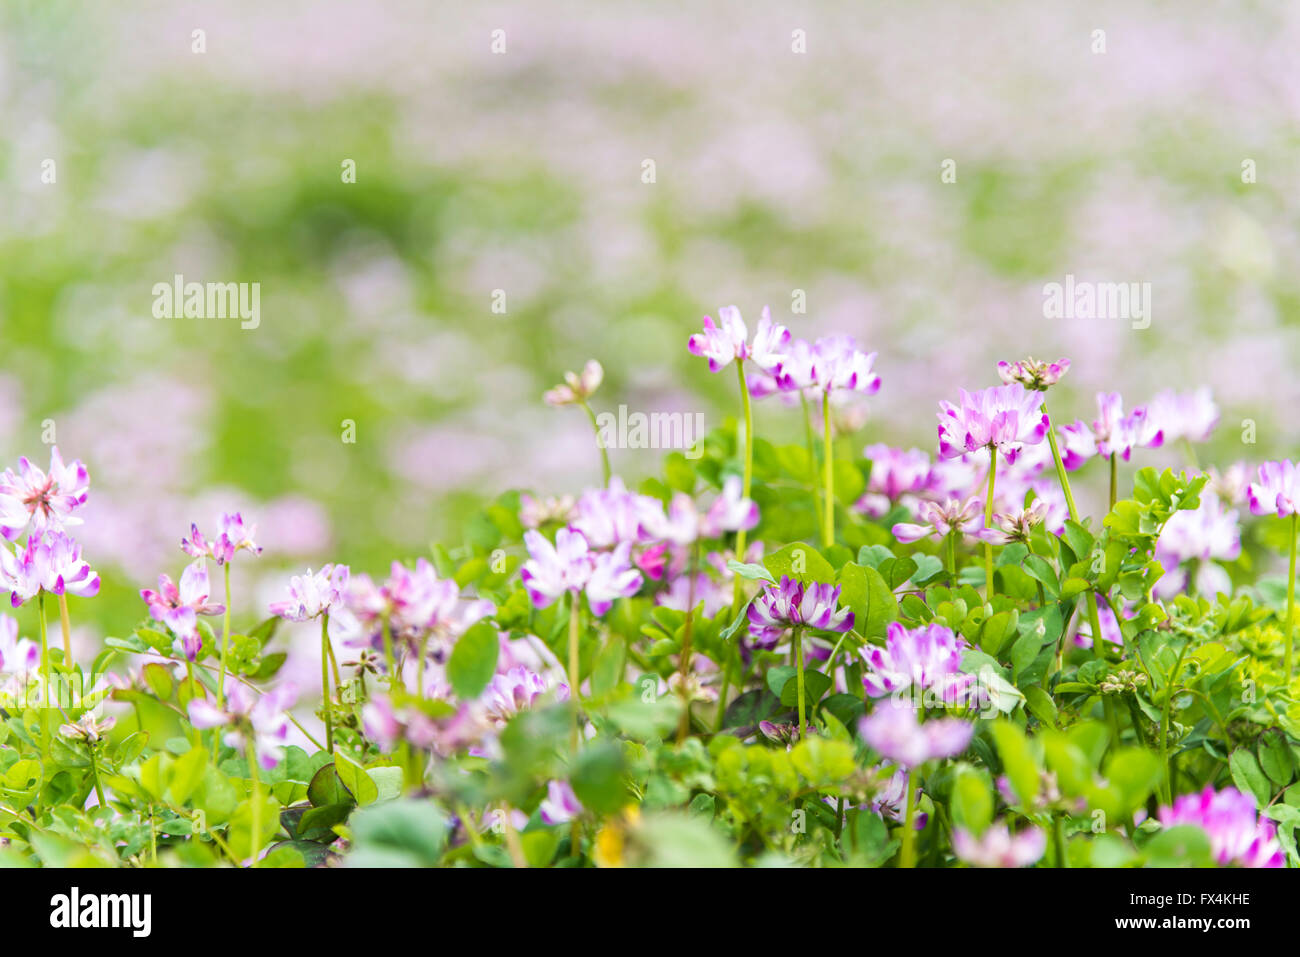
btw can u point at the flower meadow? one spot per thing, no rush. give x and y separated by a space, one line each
815 654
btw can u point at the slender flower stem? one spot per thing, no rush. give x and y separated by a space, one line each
1060 467
812 457
951 541
1094 620
45 675
688 632
1058 838
907 854
748 477
988 523
575 616
1164 723
67 631
828 474
1114 484
325 681
600 443
798 665
255 838
225 644
1290 600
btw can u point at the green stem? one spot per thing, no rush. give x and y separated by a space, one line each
575 613
45 676
67 631
1060 467
255 838
951 541
812 457
1164 723
1094 620
1114 484
1058 836
325 681
798 664
907 855
688 632
828 474
1290 601
988 523
600 443
225 644
748 478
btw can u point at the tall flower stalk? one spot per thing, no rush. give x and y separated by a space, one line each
576 389
748 477
988 524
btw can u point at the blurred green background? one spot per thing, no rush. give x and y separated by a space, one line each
522 171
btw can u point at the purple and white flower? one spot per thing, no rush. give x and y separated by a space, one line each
1238 835
998 847
1005 418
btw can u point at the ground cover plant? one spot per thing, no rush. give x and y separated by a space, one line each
812 654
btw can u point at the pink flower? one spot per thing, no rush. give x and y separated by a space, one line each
1112 433
838 364
232 536
40 499
576 388
534 513
1033 374
517 690
609 516
1237 834
720 344
177 608
569 565
928 657
17 655
312 595
1189 415
51 563
1005 418
684 524
422 604
561 805
895 474
892 729
1277 491
998 847
261 719
779 609
940 520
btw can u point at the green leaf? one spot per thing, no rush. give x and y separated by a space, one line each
815 684
800 562
1249 777
597 778
972 799
474 660
1018 761
751 571
868 595
355 779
